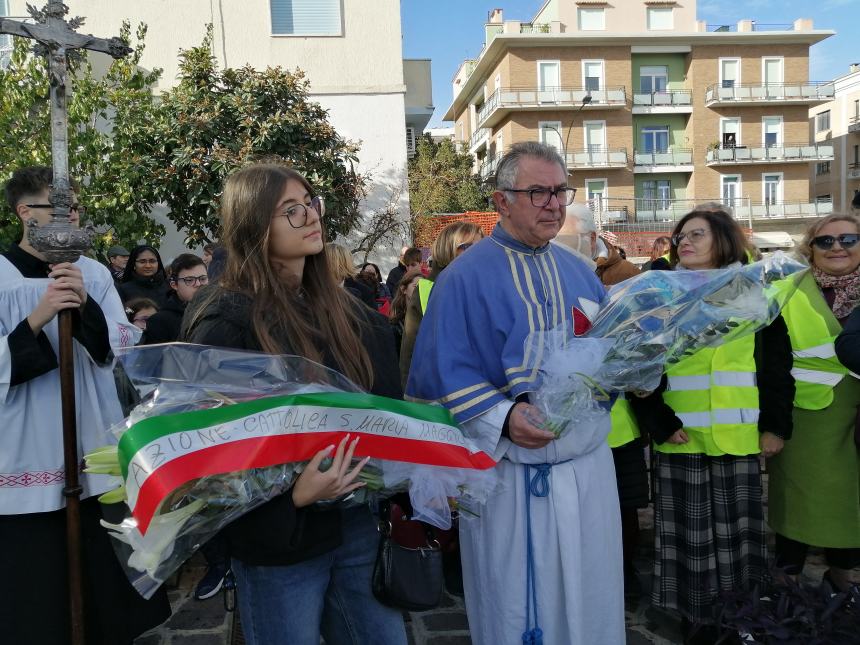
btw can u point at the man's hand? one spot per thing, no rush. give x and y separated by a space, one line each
770 444
56 298
678 437
68 275
523 432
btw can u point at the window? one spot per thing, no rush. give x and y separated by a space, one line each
659 18
653 78
822 168
822 121
548 75
595 135
771 131
591 18
856 155
5 39
772 71
497 82
592 73
730 72
824 199
730 132
595 193
550 133
410 141
857 108
306 17
772 188
656 194
654 138
731 189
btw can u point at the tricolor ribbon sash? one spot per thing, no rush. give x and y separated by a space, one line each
159 454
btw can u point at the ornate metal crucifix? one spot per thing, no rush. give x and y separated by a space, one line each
59 241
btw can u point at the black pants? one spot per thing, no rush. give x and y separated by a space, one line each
791 556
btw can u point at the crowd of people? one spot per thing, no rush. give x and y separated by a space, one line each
551 554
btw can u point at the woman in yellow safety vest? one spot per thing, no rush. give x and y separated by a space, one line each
814 488
452 241
716 411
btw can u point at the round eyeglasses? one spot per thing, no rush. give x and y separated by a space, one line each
297 214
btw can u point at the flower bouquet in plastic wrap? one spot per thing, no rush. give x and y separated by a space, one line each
647 322
220 432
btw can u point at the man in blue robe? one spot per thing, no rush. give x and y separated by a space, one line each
543 560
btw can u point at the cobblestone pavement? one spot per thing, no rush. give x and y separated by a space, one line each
207 623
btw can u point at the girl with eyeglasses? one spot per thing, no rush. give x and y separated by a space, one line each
714 414
302 571
144 276
815 482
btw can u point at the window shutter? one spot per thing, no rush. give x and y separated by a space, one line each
410 142
306 17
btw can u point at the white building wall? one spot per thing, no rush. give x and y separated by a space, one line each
358 76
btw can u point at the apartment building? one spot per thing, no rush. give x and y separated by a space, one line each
652 109
351 53
837 123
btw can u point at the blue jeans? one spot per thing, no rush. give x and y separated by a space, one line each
329 595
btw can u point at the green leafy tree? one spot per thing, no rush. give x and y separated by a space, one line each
441 181
214 121
105 110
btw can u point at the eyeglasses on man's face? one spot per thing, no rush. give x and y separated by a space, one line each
826 242
694 237
80 210
191 280
541 196
297 214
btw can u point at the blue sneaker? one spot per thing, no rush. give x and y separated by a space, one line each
211 582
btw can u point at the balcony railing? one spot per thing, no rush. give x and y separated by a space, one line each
669 98
479 136
783 153
854 123
854 170
782 210
488 169
505 98
671 157
597 158
770 93
535 28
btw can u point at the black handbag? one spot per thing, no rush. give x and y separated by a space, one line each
406 577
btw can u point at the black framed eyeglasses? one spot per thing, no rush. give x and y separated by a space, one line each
826 242
80 210
297 214
191 280
541 196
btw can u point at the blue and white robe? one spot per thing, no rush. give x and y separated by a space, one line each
470 356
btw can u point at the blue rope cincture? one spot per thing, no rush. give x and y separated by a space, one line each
537 485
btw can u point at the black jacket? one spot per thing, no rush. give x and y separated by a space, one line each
394 277
155 288
277 533
773 362
848 343
163 326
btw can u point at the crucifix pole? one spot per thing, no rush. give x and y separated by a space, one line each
59 242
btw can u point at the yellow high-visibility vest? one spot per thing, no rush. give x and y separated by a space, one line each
624 426
813 329
714 393
424 288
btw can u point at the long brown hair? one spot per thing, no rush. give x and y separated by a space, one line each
250 198
399 303
729 242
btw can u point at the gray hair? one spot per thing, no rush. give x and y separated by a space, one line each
584 217
714 207
509 166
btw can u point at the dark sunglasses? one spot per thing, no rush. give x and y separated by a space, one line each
826 242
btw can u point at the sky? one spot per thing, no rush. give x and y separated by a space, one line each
449 31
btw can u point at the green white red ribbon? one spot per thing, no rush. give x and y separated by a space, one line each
159 454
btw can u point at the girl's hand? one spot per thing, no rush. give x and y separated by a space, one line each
770 444
314 484
678 437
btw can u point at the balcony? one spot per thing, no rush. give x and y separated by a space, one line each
487 171
505 100
763 94
783 210
597 158
854 123
784 153
478 140
668 102
672 160
854 170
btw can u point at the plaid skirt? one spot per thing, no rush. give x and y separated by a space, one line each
709 531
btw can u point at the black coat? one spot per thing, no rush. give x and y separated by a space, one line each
278 533
155 288
848 343
163 326
394 277
773 362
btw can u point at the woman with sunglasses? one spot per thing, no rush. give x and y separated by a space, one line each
144 277
714 414
302 571
815 482
454 240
